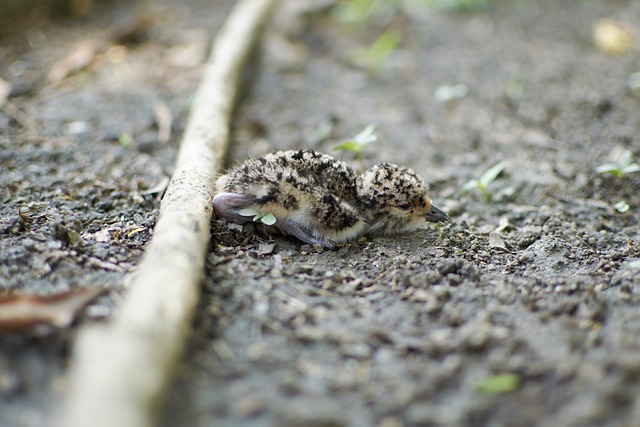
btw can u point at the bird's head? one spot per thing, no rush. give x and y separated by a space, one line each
394 199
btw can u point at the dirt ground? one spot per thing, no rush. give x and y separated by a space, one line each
542 283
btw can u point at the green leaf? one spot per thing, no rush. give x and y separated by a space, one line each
360 141
633 167
505 193
474 183
125 140
385 44
74 237
366 135
625 159
268 219
624 166
352 146
447 93
492 173
608 168
622 206
375 56
248 212
499 383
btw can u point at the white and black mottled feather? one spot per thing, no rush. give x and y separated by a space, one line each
321 200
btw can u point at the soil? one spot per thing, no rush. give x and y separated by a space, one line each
542 282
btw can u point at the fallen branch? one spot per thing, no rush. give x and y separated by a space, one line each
119 370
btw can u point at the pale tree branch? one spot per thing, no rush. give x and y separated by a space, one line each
119 370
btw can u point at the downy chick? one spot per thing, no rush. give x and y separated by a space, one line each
321 200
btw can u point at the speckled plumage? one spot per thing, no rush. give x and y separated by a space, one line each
321 200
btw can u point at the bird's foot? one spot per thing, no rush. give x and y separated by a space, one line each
229 205
303 233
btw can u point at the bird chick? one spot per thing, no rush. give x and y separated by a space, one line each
321 200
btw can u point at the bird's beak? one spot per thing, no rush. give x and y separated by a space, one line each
436 215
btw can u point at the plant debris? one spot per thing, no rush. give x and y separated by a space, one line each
22 312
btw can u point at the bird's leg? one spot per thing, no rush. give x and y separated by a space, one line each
294 228
229 205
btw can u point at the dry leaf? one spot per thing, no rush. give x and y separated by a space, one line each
495 241
503 225
135 230
79 57
21 312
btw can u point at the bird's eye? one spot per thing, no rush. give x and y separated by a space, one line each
405 206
